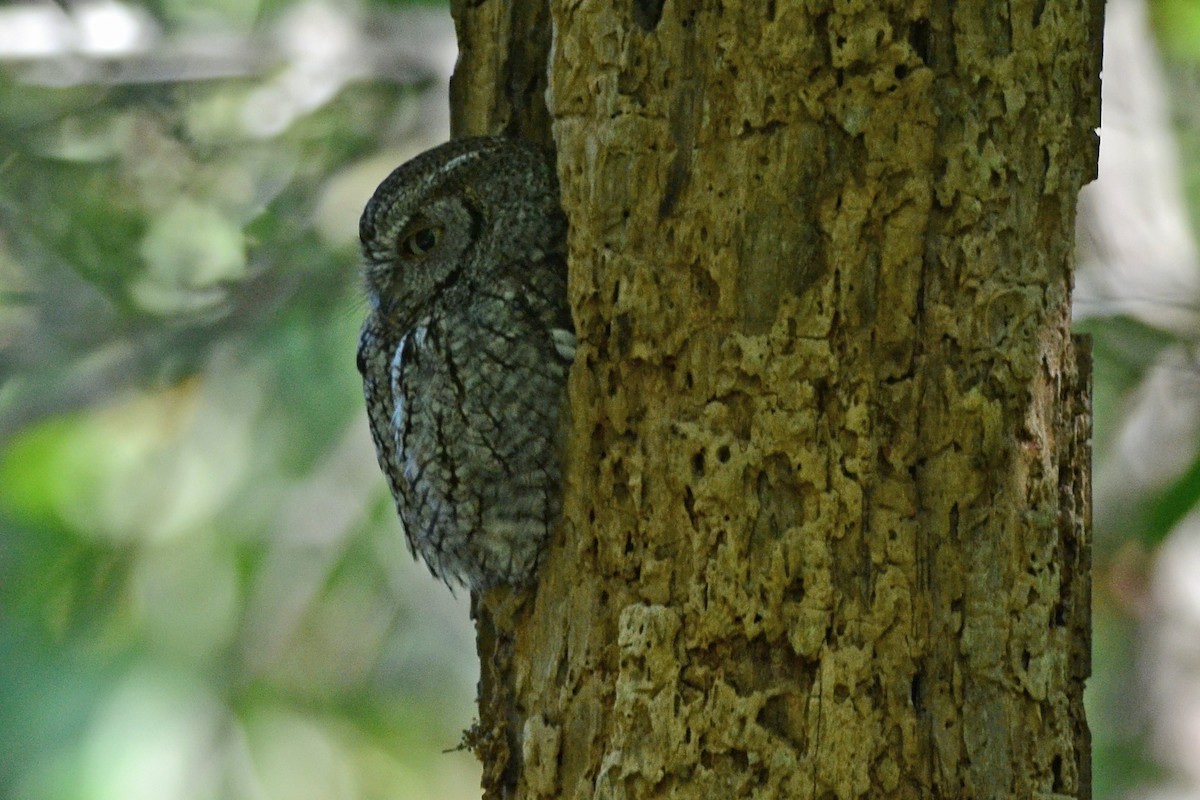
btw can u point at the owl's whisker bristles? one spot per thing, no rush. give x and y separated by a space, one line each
357 308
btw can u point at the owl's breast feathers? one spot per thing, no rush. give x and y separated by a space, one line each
475 414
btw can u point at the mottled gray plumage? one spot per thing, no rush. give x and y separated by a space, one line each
465 352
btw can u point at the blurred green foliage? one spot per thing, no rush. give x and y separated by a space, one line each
1135 358
1177 25
203 588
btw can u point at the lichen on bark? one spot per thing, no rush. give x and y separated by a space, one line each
826 518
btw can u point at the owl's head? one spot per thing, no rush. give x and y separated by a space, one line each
442 222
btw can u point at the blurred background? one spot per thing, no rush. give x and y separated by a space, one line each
203 589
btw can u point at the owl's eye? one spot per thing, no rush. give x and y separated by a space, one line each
420 241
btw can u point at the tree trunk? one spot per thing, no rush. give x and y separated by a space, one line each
826 525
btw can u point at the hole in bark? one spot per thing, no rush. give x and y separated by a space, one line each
841 693
774 716
795 590
624 332
917 692
698 463
723 453
919 39
1056 768
770 10
647 13
1038 8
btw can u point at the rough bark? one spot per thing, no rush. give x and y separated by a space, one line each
499 83
826 530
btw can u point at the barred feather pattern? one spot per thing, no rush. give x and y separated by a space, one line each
465 352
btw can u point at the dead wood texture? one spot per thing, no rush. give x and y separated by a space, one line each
826 530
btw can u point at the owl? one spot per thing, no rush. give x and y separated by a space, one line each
465 351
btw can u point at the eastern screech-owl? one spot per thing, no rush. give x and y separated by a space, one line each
465 352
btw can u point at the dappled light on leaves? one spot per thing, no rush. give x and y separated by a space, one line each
204 592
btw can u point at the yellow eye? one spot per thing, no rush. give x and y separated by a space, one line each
420 241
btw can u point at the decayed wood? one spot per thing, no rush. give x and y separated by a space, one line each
826 525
